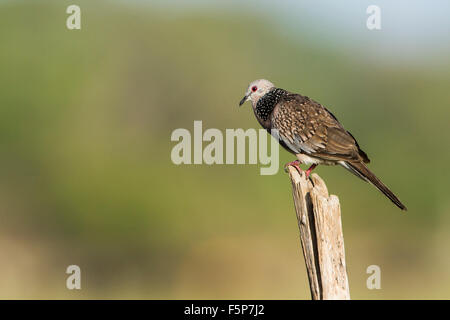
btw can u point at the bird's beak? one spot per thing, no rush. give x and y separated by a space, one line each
243 100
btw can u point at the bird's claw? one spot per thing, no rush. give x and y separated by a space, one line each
295 164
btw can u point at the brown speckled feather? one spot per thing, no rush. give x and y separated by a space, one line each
305 126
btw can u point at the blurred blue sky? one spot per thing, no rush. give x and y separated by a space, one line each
411 29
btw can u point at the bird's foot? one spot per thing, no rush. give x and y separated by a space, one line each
295 164
310 169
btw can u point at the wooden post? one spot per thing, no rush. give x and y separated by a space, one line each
319 221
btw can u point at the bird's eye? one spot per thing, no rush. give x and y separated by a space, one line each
254 88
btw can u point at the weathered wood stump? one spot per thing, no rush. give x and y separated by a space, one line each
322 240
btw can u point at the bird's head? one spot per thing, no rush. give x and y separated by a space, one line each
256 90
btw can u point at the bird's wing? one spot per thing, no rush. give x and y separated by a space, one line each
305 126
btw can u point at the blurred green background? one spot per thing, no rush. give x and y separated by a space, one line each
86 176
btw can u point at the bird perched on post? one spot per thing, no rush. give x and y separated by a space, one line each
311 132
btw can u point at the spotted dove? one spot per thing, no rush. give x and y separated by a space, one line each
310 131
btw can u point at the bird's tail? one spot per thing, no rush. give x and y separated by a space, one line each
360 170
